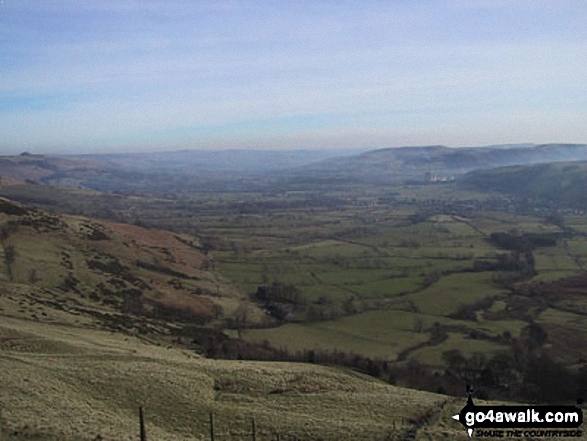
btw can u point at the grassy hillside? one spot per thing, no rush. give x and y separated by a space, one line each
64 382
79 354
411 277
106 270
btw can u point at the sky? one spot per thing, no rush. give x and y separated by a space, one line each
138 75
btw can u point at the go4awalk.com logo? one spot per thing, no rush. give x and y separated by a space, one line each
521 421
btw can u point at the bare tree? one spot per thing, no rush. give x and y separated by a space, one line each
241 317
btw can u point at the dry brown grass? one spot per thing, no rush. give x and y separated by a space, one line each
55 261
76 383
183 257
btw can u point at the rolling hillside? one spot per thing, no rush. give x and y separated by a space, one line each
88 311
65 382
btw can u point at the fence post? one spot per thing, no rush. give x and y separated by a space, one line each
142 422
254 430
212 426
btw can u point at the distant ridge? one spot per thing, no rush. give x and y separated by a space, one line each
254 169
241 161
405 163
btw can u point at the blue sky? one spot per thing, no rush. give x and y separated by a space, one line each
125 75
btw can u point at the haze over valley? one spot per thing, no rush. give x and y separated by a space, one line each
302 221
417 267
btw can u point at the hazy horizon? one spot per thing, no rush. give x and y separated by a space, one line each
335 150
105 76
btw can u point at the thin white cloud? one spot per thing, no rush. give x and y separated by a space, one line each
413 67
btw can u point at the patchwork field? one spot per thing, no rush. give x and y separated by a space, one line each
401 278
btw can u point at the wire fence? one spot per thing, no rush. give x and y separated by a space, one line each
251 431
256 433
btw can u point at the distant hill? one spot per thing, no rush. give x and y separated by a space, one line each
236 170
162 171
216 161
398 164
70 171
564 183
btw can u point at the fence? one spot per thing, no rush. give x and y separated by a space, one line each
254 433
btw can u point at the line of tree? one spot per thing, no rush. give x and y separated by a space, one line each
524 242
524 372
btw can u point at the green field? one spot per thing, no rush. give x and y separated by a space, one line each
424 271
453 291
385 334
379 334
401 284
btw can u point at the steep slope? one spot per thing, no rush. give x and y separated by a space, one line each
86 312
107 270
73 383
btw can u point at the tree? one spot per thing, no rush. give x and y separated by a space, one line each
437 333
241 317
455 362
534 336
548 381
